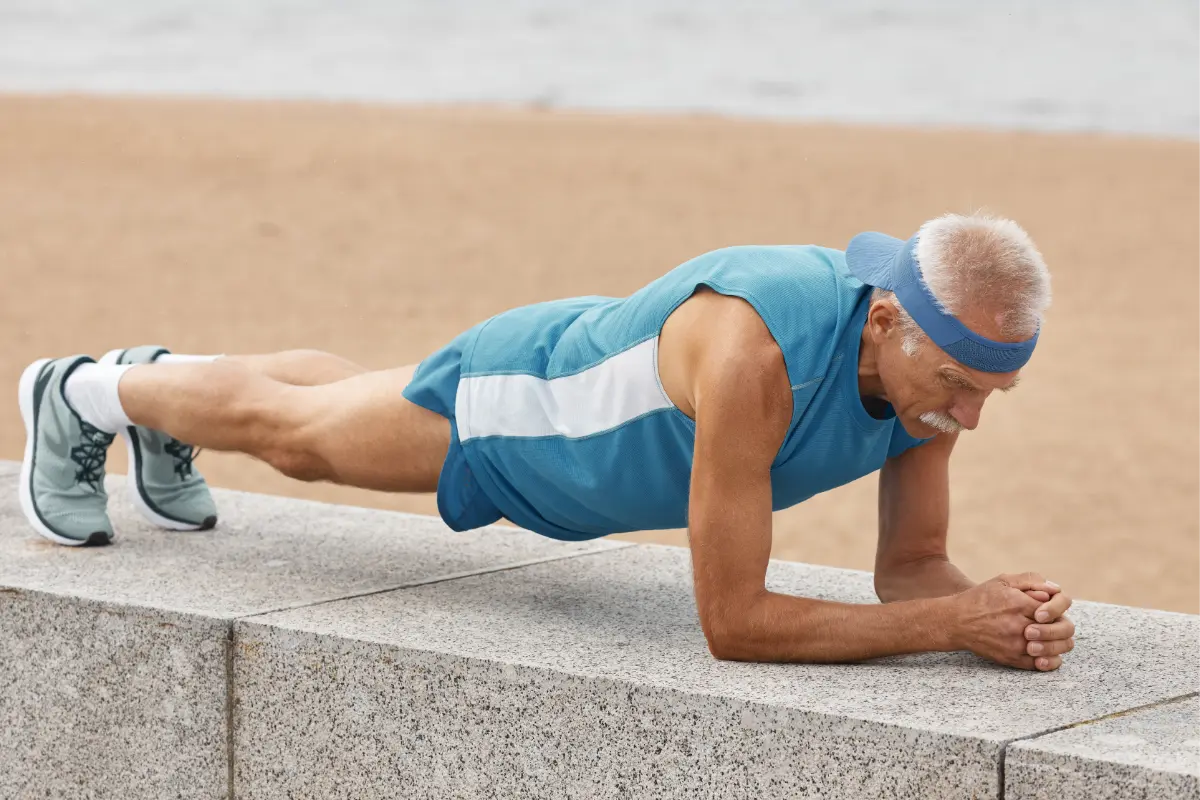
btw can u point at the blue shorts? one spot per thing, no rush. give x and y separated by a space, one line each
461 501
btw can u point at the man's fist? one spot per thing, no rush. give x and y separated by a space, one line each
1016 620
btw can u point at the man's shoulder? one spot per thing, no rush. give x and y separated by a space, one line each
803 295
774 313
739 357
733 324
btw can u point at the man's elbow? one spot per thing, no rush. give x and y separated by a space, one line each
727 647
886 588
729 640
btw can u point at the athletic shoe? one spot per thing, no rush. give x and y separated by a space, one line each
163 483
62 476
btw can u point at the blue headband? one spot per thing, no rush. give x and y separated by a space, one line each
888 263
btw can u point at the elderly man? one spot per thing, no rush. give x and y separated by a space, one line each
743 381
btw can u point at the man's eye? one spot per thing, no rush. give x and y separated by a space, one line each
954 385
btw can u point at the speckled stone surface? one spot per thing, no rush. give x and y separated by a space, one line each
1142 755
589 677
98 701
267 553
8 468
113 661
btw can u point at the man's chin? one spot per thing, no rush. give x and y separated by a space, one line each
919 430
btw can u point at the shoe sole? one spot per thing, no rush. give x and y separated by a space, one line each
112 358
25 400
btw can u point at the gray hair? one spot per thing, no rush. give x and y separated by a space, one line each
978 261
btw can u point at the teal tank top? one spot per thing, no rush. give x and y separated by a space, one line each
564 423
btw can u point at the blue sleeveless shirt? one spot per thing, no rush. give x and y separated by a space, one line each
563 422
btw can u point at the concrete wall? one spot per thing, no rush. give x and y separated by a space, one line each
307 650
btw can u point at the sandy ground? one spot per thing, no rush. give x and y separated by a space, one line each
380 233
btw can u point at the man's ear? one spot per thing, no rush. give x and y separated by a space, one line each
882 319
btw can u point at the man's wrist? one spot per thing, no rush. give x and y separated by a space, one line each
930 624
945 633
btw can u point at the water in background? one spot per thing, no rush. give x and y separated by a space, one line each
1108 65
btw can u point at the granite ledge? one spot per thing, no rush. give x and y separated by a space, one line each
598 665
1153 752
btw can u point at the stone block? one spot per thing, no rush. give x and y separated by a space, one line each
1150 754
114 661
589 677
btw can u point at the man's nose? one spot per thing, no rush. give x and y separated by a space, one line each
966 413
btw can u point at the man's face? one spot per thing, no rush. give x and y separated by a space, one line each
930 391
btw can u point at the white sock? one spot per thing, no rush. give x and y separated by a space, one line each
92 391
180 358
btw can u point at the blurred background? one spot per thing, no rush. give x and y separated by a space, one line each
370 177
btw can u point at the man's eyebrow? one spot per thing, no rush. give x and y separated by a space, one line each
959 379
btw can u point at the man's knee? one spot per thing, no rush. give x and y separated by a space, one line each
297 461
280 431
292 449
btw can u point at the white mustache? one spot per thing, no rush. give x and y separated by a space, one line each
942 422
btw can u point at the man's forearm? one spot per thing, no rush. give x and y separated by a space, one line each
779 627
925 578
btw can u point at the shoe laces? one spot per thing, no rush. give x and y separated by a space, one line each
89 456
184 455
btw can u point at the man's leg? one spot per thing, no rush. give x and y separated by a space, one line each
317 417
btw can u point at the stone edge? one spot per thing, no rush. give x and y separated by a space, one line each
1024 745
